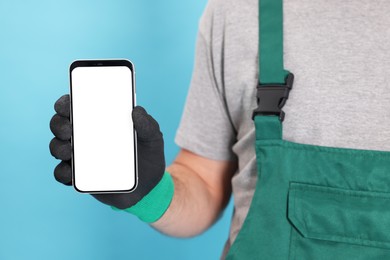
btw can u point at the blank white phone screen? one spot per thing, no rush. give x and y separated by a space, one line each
103 135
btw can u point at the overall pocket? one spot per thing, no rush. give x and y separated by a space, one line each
334 223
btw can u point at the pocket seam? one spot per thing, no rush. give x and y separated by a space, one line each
337 191
346 239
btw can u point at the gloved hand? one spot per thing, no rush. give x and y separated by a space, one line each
150 148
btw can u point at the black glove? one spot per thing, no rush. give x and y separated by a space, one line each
150 150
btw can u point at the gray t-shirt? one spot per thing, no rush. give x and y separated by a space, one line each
339 54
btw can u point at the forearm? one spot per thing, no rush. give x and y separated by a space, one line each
195 205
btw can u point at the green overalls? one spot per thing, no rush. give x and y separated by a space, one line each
310 202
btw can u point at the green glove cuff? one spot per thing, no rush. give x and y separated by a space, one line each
151 207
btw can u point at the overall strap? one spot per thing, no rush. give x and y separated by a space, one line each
275 82
271 69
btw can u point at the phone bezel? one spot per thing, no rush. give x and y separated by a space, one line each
103 63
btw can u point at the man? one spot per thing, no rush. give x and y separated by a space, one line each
338 52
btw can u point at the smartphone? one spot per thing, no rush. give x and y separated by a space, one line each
104 150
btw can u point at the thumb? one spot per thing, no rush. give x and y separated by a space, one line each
146 126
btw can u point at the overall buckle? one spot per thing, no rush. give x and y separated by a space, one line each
272 97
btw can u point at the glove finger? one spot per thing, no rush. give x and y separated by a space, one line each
63 173
62 106
60 149
60 126
146 126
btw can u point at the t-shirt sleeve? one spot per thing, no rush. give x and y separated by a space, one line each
205 127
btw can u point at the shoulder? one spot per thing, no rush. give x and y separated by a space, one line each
220 14
212 16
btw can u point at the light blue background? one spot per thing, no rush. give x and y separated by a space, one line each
39 218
